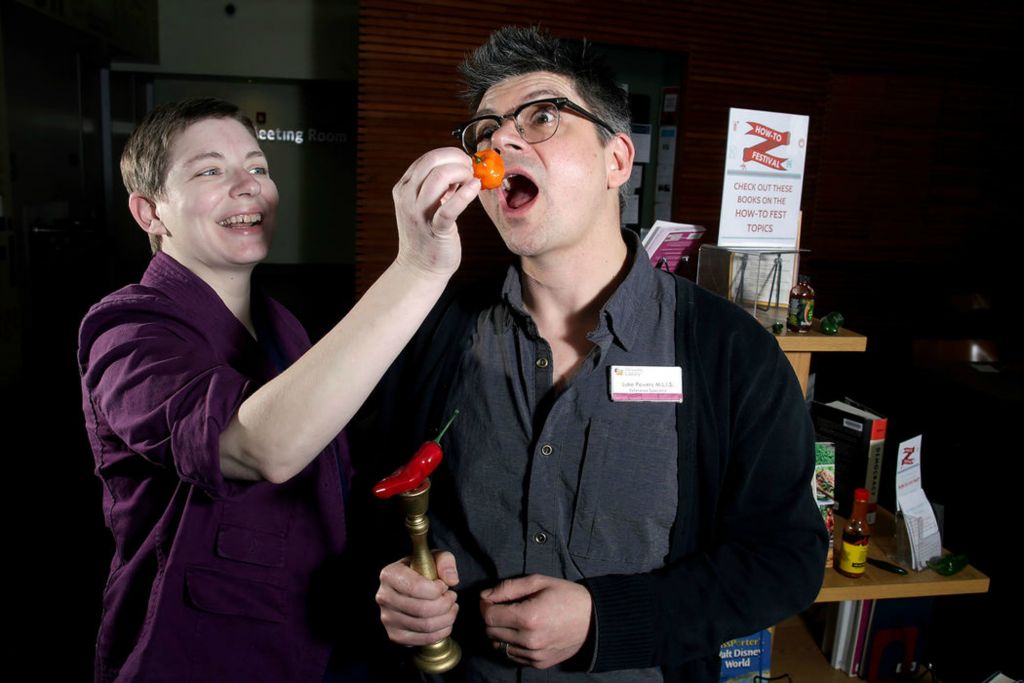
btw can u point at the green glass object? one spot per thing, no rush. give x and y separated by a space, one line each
777 327
831 323
949 564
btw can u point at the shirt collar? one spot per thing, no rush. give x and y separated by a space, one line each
197 297
634 295
618 315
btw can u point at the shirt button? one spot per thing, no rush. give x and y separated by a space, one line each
542 363
546 449
540 538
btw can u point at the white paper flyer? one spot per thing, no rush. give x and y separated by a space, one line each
764 174
922 528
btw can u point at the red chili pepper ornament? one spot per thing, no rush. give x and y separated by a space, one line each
413 473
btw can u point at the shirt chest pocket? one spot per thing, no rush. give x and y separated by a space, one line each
251 546
627 499
246 575
255 530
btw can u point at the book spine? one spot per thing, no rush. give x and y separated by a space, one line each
866 652
862 630
876 448
841 644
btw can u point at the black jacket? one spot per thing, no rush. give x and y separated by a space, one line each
748 544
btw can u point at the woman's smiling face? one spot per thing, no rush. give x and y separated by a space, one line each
219 203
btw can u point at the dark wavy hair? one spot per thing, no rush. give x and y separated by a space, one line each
516 50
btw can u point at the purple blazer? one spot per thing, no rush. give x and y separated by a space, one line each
210 577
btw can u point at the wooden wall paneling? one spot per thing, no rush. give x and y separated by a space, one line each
807 57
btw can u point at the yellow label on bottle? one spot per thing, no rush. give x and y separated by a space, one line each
853 559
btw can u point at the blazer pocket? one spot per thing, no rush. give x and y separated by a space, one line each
251 546
215 592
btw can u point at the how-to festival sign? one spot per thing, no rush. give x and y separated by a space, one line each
764 173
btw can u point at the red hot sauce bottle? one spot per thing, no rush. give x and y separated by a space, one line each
801 306
853 557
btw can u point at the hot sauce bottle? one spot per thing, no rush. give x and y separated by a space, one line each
801 306
853 557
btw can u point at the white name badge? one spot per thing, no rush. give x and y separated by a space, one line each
645 383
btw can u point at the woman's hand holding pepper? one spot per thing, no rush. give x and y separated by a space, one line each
431 195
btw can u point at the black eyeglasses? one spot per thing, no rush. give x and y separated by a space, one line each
535 121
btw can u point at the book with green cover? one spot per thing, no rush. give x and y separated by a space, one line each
859 437
824 486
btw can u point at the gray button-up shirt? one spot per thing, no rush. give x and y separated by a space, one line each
563 483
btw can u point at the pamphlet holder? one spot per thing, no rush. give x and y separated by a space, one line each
901 546
758 280
901 552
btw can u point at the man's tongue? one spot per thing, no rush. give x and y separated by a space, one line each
521 191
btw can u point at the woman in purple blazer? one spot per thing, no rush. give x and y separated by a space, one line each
215 426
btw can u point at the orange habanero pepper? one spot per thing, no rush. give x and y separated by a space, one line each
489 168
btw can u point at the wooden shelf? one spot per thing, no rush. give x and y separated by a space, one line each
799 347
816 341
795 652
878 583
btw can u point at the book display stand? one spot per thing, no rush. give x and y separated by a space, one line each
758 280
795 650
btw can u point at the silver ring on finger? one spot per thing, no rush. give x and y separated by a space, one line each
504 650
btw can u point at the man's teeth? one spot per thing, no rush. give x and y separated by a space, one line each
243 218
505 184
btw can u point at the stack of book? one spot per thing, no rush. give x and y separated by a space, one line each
877 639
858 434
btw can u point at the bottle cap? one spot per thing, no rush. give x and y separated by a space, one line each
861 494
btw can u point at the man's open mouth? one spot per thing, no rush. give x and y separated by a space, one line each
519 190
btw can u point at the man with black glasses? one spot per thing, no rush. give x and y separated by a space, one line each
628 483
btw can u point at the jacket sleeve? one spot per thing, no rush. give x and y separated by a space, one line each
749 545
150 381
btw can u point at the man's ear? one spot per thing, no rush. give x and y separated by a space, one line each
620 153
144 212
